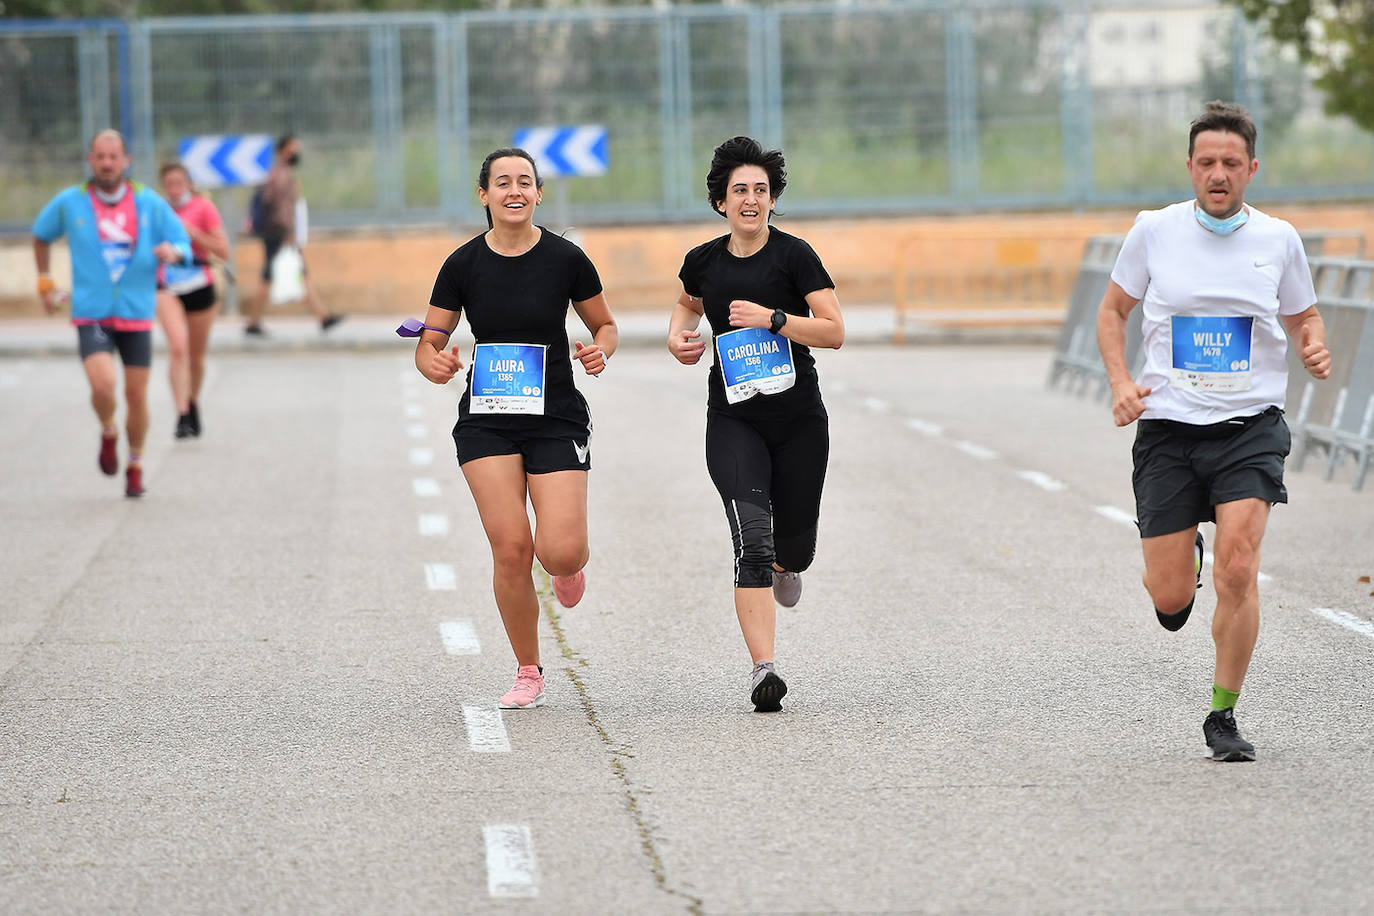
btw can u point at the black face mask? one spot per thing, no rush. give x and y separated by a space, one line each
293 159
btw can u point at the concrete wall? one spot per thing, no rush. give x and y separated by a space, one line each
394 272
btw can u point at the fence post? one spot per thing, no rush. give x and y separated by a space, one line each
141 137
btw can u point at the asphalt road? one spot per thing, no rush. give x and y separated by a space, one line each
269 686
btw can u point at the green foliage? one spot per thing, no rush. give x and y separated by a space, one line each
132 9
1336 37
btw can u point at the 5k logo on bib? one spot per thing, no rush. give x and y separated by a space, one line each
1211 353
508 378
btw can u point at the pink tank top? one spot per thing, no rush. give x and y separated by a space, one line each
200 214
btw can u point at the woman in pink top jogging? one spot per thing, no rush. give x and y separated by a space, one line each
186 303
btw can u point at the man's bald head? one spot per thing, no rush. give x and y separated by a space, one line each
106 136
108 159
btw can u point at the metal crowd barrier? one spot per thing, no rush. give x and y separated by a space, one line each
1077 361
1336 416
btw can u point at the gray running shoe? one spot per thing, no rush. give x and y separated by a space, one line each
766 688
786 588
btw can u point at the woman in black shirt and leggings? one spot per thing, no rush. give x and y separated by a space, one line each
768 300
522 425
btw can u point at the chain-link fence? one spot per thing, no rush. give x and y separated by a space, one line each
902 106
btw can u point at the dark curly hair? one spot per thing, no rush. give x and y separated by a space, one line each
738 151
1226 116
484 174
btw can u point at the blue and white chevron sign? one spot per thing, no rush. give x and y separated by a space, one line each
561 151
218 161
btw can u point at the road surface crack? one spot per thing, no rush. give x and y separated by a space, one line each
619 753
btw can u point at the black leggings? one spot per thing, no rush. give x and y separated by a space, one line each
769 474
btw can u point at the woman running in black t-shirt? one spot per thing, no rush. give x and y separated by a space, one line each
768 299
522 425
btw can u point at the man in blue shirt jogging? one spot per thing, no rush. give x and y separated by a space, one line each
118 232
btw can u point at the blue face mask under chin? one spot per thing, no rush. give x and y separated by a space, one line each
1221 226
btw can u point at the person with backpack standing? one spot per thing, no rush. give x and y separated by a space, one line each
273 217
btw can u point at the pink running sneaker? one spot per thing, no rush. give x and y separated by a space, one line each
109 458
528 690
569 589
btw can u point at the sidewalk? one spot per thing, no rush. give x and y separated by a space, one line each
864 324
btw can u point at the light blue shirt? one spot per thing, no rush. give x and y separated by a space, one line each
94 295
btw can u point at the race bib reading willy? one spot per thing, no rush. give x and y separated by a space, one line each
1211 353
755 361
508 378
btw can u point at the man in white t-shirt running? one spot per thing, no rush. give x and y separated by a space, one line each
1220 282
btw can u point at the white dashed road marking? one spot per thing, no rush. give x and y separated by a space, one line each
1043 481
1347 620
422 456
877 405
973 449
416 431
1115 514
433 525
486 731
459 638
511 868
924 427
441 577
425 486
414 411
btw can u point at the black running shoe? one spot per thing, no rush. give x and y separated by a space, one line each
328 321
255 330
184 427
1223 737
767 688
1177 620
194 414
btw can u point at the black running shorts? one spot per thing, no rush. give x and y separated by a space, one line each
135 347
198 300
558 446
1182 471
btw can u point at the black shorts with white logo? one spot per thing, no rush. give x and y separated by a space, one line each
1183 471
557 445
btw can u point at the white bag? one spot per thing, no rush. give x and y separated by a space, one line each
288 276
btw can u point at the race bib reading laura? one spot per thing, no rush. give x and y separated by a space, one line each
508 378
1211 353
755 361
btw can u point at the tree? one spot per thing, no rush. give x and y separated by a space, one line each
1336 37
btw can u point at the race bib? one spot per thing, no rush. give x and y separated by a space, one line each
1211 353
755 361
508 378
184 278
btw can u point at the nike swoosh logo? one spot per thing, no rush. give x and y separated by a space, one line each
581 451
1261 263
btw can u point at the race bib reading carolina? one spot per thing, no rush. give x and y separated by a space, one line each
1211 353
508 378
755 361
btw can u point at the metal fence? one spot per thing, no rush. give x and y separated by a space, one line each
903 106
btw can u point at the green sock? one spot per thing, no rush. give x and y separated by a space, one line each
1223 698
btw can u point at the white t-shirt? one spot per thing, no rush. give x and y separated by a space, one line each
1214 346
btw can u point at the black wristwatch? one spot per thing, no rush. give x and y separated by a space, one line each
779 319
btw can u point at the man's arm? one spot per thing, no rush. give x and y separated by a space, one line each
1309 335
1127 403
47 289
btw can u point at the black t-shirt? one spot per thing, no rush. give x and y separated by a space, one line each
521 299
778 275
